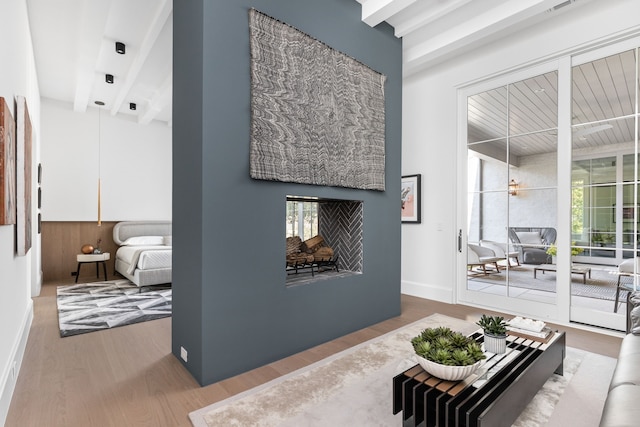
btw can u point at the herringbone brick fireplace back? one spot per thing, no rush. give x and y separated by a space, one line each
340 223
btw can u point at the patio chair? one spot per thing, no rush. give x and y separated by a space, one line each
532 243
502 250
626 268
478 256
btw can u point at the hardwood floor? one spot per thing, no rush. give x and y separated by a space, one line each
128 377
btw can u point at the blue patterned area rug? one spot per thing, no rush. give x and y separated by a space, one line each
89 307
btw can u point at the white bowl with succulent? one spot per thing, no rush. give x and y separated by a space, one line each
446 354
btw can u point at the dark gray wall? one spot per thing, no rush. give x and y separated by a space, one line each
231 309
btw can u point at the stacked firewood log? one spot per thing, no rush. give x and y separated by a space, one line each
307 252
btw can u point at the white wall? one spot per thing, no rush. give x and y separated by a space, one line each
17 274
135 166
430 139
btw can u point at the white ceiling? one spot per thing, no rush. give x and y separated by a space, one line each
436 30
74 43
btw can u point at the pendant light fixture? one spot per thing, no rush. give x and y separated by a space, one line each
99 104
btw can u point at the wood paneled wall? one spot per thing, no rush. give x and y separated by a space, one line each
62 241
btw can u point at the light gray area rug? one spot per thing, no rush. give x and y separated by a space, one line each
89 307
601 285
330 392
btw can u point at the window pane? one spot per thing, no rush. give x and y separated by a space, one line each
617 135
594 171
533 104
302 216
490 173
487 115
534 160
292 219
605 88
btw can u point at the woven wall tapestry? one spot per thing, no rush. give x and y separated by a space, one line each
317 115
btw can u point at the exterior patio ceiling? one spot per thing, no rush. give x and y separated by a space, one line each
602 90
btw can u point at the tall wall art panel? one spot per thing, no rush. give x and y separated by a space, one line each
7 165
317 115
24 147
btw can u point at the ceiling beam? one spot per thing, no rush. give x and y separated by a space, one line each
159 21
160 100
421 19
474 30
92 25
377 11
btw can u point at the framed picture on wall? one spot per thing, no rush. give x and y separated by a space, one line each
411 199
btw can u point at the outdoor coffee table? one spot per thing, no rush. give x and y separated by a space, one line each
494 396
574 270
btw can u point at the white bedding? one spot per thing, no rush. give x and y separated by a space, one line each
145 257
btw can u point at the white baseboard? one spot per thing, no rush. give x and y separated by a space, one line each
11 371
427 291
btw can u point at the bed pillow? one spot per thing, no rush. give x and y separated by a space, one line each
143 240
167 240
531 238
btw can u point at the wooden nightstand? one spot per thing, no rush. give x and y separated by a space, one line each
98 259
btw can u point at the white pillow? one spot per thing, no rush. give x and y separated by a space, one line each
167 240
144 240
529 237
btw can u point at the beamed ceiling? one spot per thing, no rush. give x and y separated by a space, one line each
74 47
436 30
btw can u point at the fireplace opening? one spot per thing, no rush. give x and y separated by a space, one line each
323 239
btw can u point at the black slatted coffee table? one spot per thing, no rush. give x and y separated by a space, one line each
494 396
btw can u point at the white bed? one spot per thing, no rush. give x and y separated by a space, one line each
145 254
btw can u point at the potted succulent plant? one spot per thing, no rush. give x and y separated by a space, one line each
553 251
495 333
446 354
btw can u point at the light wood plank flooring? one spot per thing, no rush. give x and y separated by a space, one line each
128 377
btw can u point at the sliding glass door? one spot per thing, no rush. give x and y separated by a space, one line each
552 197
511 203
605 185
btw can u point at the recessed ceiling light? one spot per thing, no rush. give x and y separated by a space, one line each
539 90
120 48
109 78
